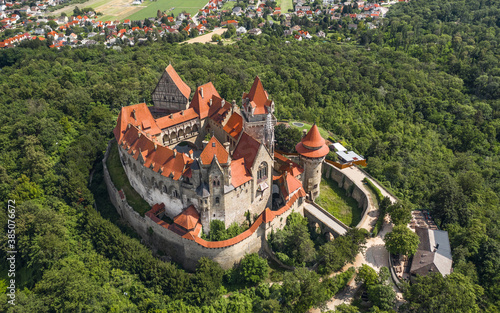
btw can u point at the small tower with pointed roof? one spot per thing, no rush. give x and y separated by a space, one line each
258 114
312 150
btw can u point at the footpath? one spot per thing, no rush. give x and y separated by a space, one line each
375 254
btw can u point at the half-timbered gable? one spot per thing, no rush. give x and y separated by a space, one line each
171 93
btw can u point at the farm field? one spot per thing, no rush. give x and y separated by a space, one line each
189 6
123 9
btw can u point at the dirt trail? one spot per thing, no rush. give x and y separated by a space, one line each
207 37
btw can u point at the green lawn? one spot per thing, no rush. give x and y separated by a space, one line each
189 6
284 5
120 181
322 131
335 200
229 5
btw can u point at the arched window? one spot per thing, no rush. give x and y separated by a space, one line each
217 200
262 172
164 189
175 194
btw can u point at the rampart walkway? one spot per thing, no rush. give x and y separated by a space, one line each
375 254
326 218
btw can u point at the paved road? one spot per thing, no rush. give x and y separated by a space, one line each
325 219
375 254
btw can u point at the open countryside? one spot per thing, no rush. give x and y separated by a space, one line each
124 9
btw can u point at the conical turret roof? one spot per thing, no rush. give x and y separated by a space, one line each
312 145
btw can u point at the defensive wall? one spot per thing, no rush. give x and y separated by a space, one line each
353 190
187 251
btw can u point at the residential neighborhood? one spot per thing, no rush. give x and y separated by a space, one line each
307 20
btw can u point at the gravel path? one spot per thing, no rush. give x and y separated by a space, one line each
375 254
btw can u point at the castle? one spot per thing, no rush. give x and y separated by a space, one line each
209 159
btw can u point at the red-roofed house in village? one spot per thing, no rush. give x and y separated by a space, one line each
173 165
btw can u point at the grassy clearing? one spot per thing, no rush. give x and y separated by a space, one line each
229 5
324 133
120 181
189 6
285 5
335 200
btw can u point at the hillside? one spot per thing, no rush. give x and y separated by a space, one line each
419 97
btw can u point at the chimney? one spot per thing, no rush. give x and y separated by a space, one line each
182 112
175 153
156 146
133 113
171 115
204 143
210 102
201 91
226 146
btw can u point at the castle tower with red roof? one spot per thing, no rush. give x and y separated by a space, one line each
257 112
312 150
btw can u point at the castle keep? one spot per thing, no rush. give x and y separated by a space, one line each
210 159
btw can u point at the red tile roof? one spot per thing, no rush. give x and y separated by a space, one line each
135 114
239 174
292 184
313 138
214 149
219 109
188 218
265 217
312 145
234 125
288 165
183 87
161 159
202 97
176 118
258 97
247 148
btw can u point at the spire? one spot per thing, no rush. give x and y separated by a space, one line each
312 145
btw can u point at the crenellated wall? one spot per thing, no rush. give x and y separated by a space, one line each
187 252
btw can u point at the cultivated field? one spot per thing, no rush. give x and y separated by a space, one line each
123 9
190 6
285 5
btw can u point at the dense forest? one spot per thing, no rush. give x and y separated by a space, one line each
419 97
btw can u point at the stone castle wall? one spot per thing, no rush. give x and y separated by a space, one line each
187 252
353 190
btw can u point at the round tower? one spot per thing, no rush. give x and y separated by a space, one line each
312 150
